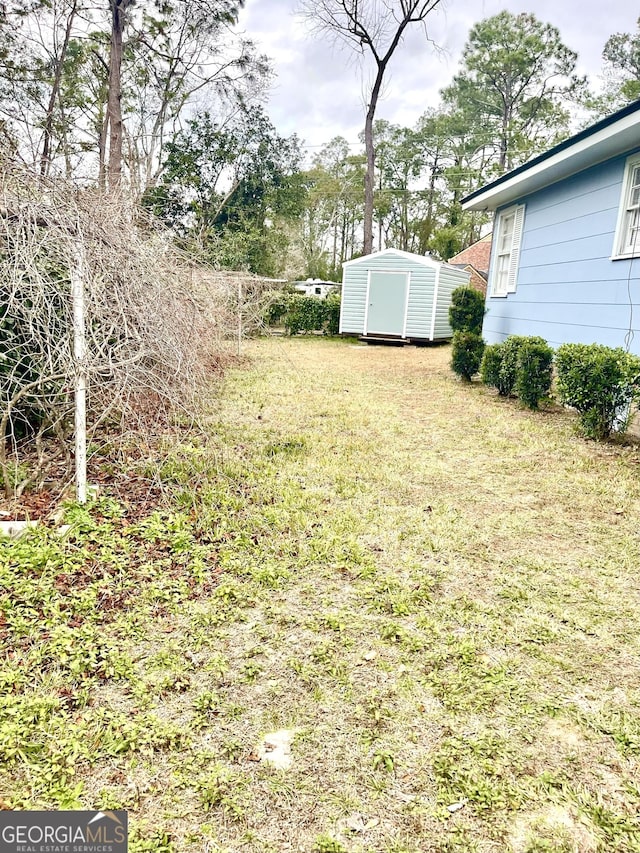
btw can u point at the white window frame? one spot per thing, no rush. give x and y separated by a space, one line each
506 259
623 245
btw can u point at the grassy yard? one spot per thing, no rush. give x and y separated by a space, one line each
434 592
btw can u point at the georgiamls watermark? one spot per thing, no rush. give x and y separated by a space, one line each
63 832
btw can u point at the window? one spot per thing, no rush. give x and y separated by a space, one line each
627 242
504 270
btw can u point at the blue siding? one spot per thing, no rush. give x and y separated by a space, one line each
568 289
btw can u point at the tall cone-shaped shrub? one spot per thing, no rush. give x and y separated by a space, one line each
465 316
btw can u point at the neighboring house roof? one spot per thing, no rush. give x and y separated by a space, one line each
484 274
418 259
610 137
476 255
477 278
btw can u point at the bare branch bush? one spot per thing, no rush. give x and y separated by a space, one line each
156 324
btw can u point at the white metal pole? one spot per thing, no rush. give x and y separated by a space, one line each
79 353
239 314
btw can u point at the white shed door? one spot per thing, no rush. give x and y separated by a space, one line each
387 302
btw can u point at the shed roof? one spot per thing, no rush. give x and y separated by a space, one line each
425 260
614 135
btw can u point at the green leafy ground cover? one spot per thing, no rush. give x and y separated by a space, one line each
434 590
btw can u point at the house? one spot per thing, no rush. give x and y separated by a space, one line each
475 260
398 296
565 259
316 287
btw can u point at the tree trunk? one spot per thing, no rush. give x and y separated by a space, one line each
114 97
369 175
505 153
344 239
380 216
404 207
334 255
102 153
45 159
369 180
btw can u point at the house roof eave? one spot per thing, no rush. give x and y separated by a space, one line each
616 134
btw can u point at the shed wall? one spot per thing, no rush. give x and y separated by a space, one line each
420 305
421 295
353 304
568 288
450 278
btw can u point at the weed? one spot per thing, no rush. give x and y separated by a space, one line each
327 844
622 726
390 595
332 622
155 841
383 760
232 749
475 771
271 576
288 446
222 791
250 671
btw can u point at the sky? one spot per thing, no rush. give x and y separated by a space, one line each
319 90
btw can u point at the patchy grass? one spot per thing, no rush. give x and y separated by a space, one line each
435 591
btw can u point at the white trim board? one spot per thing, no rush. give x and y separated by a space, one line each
366 304
406 304
436 287
617 253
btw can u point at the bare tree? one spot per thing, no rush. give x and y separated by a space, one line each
155 322
191 52
374 27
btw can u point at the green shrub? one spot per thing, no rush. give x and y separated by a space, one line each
466 310
491 364
529 375
509 365
277 308
300 313
466 354
603 384
304 314
533 372
332 314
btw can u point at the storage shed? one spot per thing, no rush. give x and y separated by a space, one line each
395 295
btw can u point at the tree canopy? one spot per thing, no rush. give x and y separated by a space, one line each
516 81
622 54
227 185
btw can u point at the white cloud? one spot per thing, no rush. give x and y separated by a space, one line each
318 92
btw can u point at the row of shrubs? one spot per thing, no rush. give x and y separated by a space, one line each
306 314
601 383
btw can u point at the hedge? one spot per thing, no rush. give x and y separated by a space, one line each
602 383
304 314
